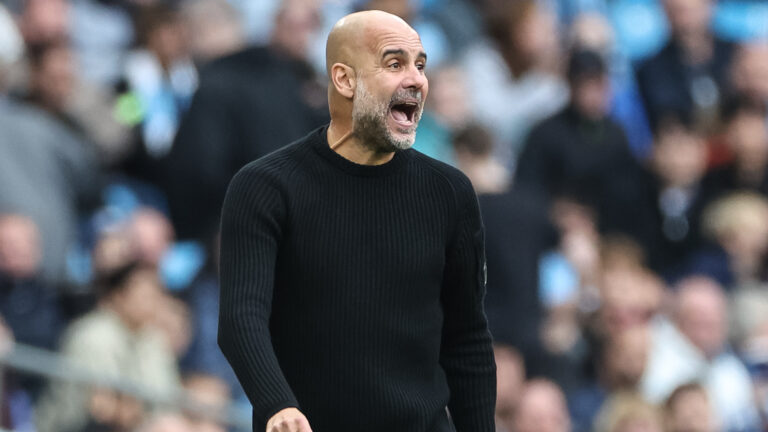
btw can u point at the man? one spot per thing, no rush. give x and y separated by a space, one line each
690 73
248 104
352 267
581 152
692 346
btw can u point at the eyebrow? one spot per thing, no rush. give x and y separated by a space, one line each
401 52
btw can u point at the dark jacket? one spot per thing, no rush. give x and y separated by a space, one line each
248 104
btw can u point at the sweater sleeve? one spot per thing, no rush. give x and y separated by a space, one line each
466 351
251 229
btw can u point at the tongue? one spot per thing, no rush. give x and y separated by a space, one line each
399 115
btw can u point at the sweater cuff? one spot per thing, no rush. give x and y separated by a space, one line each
260 424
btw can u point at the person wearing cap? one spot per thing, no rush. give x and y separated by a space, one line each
580 152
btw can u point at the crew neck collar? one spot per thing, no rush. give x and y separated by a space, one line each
320 144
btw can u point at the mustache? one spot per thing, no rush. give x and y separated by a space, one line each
406 95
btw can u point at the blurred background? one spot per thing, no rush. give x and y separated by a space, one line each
619 149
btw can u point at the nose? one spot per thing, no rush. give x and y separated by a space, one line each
415 78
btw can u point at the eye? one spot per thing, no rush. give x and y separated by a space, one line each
394 65
420 66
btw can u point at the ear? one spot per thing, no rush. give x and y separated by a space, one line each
343 78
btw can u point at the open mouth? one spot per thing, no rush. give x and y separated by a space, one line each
404 113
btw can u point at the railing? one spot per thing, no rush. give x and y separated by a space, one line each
51 365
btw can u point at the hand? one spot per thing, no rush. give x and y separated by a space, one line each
288 420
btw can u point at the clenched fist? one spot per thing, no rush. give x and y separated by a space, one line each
288 420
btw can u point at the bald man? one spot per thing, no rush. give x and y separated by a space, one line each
352 267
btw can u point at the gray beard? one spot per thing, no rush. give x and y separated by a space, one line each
369 123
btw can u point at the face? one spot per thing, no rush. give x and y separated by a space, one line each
510 378
542 409
679 157
688 16
748 138
626 357
591 97
19 246
138 300
702 319
390 91
750 74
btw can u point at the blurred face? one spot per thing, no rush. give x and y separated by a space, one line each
688 16
691 413
137 302
43 20
626 357
169 41
295 26
20 252
54 78
702 316
629 298
748 138
449 99
542 409
152 234
390 91
591 97
750 73
537 35
509 380
679 157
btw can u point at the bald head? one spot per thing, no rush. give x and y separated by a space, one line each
377 83
357 33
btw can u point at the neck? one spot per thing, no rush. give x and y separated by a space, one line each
343 141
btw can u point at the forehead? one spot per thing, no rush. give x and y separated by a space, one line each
382 38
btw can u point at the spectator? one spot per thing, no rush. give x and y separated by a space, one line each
515 73
671 200
27 306
541 408
693 347
627 412
44 20
581 150
214 29
690 73
447 112
115 340
591 31
65 179
619 369
736 225
687 409
750 71
29 312
248 103
746 134
161 77
517 232
55 86
510 379
212 395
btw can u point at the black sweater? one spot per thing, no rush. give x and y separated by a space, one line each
355 292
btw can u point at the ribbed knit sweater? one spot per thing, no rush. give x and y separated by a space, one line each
354 292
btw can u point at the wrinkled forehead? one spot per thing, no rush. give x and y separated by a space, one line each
380 38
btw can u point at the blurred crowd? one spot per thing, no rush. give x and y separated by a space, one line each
619 149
